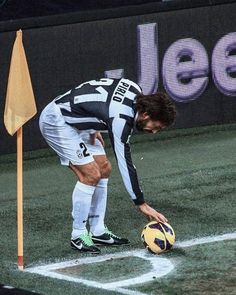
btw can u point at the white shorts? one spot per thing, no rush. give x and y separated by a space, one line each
71 145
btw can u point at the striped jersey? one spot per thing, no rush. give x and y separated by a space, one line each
107 105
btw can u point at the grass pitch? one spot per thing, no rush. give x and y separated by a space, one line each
188 175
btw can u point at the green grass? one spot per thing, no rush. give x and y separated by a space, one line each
204 269
188 175
120 268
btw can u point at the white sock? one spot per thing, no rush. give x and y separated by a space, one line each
81 202
98 208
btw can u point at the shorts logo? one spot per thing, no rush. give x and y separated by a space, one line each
79 154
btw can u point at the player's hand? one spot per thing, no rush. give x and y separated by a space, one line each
96 135
152 214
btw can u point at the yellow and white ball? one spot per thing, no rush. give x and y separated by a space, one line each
158 237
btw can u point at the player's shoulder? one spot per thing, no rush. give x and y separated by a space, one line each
131 83
110 84
122 81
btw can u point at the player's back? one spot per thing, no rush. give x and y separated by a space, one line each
94 103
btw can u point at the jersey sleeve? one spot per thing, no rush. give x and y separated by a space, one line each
119 133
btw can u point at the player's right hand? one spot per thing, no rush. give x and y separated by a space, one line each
152 214
96 135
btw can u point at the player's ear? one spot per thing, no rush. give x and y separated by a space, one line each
145 116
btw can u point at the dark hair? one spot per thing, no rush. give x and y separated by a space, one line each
158 106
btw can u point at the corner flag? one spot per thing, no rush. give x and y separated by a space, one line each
20 103
19 108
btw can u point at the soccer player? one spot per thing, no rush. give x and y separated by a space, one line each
72 124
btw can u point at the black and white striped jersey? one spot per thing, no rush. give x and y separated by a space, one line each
107 105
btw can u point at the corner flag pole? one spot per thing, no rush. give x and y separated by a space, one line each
20 107
20 245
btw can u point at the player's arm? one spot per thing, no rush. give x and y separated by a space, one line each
119 138
151 213
119 135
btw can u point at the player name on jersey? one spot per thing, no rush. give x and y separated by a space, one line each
120 91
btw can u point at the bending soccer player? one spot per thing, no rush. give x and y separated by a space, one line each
71 125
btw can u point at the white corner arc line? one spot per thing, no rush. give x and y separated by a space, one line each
160 266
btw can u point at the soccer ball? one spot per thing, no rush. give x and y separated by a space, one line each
158 237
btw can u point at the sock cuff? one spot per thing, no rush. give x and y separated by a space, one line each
89 189
103 182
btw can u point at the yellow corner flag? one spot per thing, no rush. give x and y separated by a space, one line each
19 108
20 103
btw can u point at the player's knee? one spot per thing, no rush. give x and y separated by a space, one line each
93 176
106 169
88 174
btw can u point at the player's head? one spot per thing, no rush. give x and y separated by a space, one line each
155 112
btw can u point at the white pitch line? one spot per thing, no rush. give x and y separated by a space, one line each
205 240
127 291
160 266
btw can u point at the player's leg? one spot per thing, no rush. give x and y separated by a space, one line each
100 233
67 143
88 176
99 199
98 229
